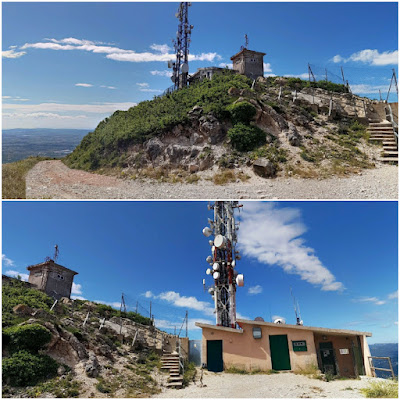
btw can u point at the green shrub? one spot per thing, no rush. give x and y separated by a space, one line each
246 137
189 373
16 292
27 337
26 369
242 112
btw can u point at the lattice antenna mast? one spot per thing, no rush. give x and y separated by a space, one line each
223 261
181 45
56 252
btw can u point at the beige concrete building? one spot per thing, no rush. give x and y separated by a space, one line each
265 346
249 63
52 278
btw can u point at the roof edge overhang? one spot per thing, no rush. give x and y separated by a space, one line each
250 51
50 263
218 328
314 329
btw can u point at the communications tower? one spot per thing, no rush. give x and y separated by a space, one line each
180 67
223 261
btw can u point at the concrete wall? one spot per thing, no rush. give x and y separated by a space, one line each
366 353
38 277
249 64
59 283
344 362
243 351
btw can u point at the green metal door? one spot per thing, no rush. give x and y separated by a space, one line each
214 356
279 352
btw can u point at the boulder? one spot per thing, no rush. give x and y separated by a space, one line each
92 367
264 168
206 162
22 309
293 135
154 148
193 168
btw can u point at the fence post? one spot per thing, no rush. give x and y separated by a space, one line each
280 93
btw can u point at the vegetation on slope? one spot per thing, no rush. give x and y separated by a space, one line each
14 174
384 389
104 147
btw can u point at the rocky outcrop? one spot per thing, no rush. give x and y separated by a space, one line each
293 136
264 168
92 367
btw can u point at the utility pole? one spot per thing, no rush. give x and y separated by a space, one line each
150 309
344 81
223 261
326 74
137 303
186 323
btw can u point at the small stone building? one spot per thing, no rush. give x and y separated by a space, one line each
52 278
264 346
249 63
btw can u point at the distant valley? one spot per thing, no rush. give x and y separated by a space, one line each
21 143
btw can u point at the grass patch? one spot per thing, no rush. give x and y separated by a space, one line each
254 371
387 389
14 174
189 374
229 176
60 387
311 371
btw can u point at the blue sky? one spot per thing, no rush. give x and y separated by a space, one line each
340 258
69 65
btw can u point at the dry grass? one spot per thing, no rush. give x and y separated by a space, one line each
310 370
228 176
14 174
161 175
388 389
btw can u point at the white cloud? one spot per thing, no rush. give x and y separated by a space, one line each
15 274
177 300
115 304
143 85
393 295
301 76
7 262
14 98
6 97
74 297
59 107
166 324
43 115
12 53
151 90
115 53
76 288
372 57
108 87
224 65
267 67
368 89
273 236
366 299
148 294
166 73
162 48
255 289
84 84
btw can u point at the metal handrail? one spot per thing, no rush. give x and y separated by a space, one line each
393 122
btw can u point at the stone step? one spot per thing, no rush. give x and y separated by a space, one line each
390 147
390 154
391 160
175 378
175 384
374 124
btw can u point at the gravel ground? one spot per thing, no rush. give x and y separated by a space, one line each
282 385
54 180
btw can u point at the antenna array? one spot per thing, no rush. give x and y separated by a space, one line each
180 67
223 261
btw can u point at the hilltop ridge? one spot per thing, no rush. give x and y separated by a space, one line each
229 122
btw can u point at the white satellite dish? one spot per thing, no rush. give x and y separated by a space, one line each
216 275
207 231
279 321
240 280
170 63
220 241
215 266
208 271
209 259
172 78
185 68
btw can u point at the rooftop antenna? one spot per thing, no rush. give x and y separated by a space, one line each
180 68
246 42
296 309
223 261
56 252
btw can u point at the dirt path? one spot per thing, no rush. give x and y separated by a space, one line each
54 180
283 385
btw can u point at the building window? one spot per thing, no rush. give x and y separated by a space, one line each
60 277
